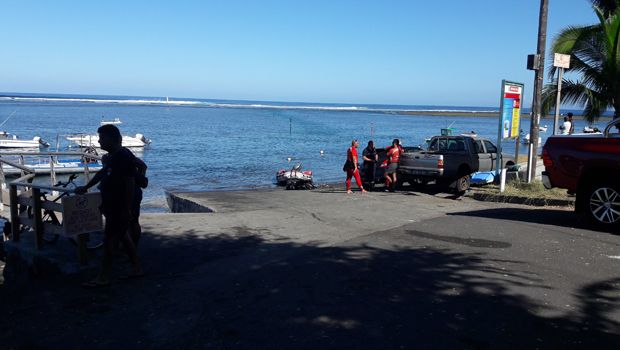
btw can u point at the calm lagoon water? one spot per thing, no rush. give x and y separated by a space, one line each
201 145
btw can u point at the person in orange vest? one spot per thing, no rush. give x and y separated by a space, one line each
393 153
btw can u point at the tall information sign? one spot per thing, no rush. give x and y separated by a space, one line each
509 117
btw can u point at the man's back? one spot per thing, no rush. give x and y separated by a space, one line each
113 186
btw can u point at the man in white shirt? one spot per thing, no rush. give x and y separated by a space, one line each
565 128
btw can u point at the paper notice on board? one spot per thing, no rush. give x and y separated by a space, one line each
81 214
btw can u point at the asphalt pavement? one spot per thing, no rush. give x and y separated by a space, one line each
322 269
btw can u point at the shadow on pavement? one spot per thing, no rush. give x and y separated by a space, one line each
546 216
237 291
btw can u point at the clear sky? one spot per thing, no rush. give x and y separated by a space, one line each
414 52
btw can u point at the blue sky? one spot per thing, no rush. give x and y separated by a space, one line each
375 52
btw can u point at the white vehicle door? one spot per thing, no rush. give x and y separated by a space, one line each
484 158
492 151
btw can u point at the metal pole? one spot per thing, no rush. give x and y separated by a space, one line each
529 163
557 102
538 84
499 132
290 129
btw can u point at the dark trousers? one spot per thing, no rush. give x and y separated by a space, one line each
369 174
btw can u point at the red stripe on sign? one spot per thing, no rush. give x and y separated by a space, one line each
515 96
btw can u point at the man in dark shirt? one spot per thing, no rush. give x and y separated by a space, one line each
117 192
572 124
370 164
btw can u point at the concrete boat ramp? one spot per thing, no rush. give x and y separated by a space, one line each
322 269
323 216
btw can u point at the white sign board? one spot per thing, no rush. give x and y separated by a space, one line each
81 214
561 61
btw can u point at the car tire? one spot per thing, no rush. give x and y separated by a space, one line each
603 204
462 184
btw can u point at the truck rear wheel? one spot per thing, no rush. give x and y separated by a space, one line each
603 204
462 184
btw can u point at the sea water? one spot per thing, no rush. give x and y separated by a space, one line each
201 145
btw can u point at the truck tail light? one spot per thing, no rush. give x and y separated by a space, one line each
440 164
547 161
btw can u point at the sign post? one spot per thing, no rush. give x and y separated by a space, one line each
509 118
561 61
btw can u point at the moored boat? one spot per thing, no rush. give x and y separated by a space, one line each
591 129
115 121
92 140
43 163
15 142
60 167
526 139
471 134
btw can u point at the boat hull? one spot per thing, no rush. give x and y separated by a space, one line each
93 141
286 176
19 143
59 168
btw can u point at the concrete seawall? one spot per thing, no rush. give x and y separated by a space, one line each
179 204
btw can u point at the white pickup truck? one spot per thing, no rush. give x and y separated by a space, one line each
451 160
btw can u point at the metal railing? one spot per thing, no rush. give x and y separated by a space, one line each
24 194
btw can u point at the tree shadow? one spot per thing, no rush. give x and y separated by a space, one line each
239 291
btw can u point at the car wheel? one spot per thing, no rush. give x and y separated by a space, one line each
603 204
462 184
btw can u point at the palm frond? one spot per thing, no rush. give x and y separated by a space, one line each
595 57
608 7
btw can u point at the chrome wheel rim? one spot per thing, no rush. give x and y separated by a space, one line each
605 205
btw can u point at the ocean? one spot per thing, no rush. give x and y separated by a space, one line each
203 145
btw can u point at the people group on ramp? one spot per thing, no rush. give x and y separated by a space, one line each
370 166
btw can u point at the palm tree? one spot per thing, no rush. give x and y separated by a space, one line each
595 55
608 7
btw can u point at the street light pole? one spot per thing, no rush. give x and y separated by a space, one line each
538 85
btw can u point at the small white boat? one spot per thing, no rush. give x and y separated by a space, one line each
90 140
115 121
526 139
591 129
294 175
470 134
15 142
542 128
42 167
